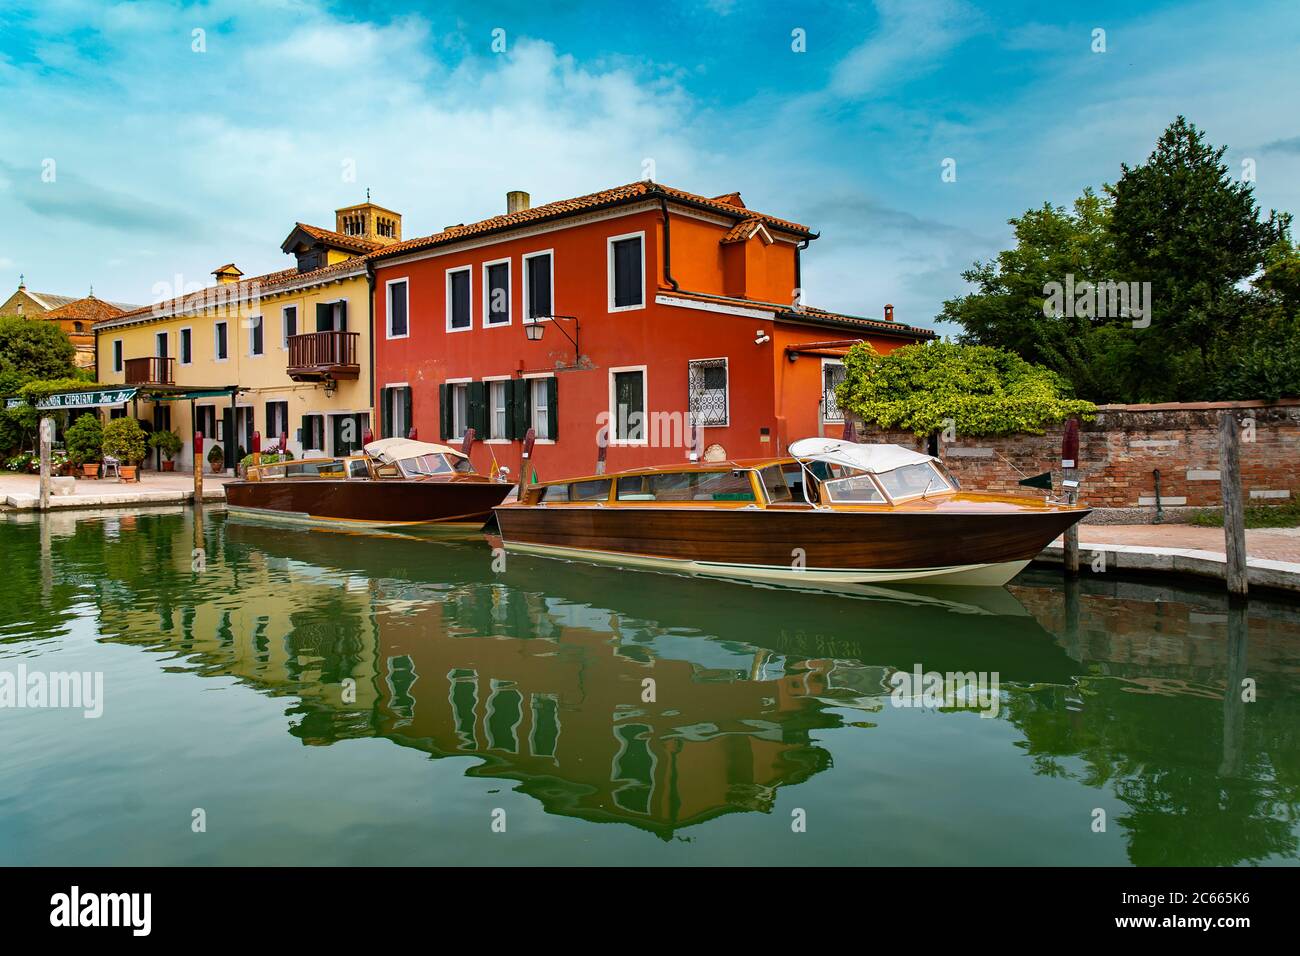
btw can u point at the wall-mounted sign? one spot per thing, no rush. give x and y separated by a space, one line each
91 399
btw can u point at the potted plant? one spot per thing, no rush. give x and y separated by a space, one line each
84 442
217 459
124 440
168 443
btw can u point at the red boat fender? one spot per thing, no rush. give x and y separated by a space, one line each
468 443
1070 444
530 437
602 448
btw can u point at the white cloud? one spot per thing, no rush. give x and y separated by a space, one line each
912 36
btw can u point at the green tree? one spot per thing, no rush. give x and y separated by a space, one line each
32 349
976 389
1182 223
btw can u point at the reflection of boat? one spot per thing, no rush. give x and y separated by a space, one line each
395 482
834 514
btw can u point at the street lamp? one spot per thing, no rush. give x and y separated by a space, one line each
534 329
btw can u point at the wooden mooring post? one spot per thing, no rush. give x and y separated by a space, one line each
1070 481
1234 513
47 440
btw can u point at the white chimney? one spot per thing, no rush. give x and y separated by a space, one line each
516 201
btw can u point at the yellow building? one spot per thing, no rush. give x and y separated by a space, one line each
282 354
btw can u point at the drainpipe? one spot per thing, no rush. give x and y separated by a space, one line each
369 281
798 263
668 256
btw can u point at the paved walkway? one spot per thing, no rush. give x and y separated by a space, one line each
22 491
1272 554
1275 544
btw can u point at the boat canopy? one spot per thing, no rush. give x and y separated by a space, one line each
872 459
393 449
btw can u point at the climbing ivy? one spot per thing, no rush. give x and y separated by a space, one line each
975 389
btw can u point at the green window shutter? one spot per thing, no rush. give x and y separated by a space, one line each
406 411
343 316
385 417
323 320
478 409
444 412
518 414
304 433
552 408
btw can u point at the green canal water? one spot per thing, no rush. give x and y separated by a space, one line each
307 697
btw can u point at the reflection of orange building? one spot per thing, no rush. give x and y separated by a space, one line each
565 714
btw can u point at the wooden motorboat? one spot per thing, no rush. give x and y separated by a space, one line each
832 514
396 481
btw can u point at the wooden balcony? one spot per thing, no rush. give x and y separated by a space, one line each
316 356
150 371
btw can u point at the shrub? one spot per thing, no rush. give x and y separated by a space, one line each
167 442
268 458
124 439
216 455
974 389
84 440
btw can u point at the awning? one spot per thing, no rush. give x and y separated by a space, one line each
869 458
92 398
192 394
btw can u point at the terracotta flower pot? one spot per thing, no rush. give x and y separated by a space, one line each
130 472
169 465
217 467
90 469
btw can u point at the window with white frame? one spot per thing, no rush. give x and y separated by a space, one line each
832 376
398 309
277 422
186 346
459 307
117 355
498 409
627 410
540 405
220 342
458 396
161 344
627 272
707 385
539 273
496 292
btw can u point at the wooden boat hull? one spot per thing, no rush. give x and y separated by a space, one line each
368 504
800 548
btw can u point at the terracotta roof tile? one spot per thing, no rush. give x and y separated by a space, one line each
632 192
231 292
812 316
329 236
88 309
741 231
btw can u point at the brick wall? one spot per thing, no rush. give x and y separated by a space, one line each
1120 449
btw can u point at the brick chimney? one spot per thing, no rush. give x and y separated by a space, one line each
889 313
516 201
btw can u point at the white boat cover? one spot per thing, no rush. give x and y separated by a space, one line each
872 459
392 449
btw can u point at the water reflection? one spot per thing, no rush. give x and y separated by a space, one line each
664 702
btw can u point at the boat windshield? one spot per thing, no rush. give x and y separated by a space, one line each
857 488
912 480
433 465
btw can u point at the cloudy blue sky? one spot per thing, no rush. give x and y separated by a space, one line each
171 162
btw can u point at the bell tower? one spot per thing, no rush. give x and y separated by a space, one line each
369 221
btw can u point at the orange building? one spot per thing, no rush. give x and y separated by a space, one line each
631 317
74 316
